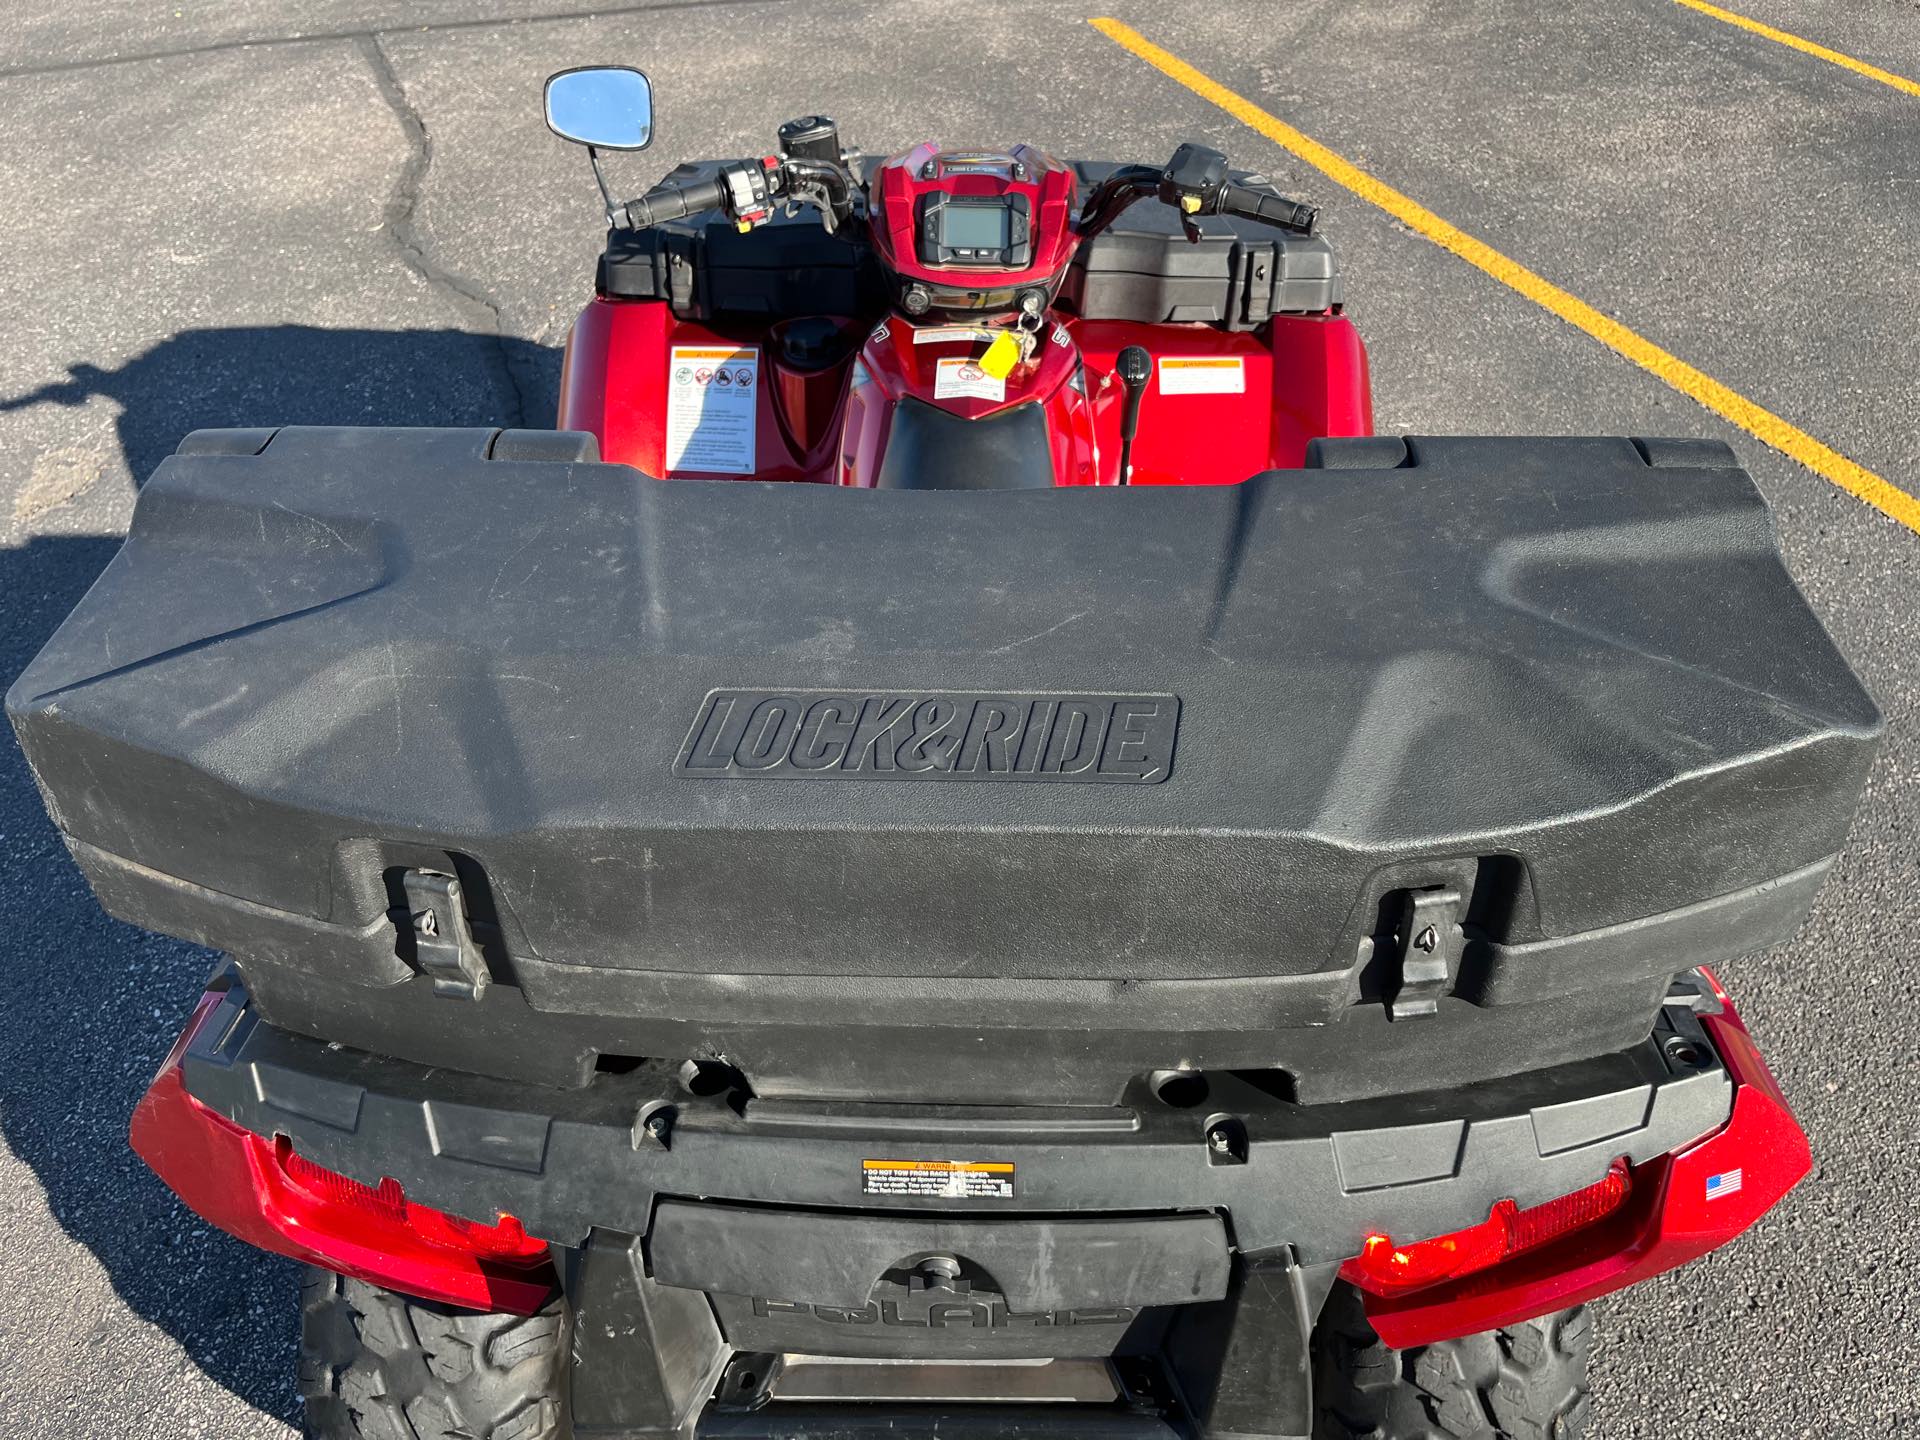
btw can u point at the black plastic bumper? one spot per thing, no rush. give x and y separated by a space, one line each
1185 1239
1316 1179
1192 1231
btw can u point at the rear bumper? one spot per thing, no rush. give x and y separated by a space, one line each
1192 1236
1315 1179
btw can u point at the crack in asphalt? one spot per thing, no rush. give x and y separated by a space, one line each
403 230
363 32
515 383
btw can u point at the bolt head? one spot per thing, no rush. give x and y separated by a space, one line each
1218 1140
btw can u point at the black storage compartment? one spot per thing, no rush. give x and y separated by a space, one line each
955 794
1239 274
707 270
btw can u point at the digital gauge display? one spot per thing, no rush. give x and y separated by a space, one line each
993 232
975 227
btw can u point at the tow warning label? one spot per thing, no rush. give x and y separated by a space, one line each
712 395
1203 375
939 1179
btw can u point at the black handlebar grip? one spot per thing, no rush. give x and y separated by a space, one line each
1267 208
671 201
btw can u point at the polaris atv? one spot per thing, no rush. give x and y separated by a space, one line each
1019 939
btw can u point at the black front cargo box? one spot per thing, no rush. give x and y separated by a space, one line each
1238 273
968 795
708 271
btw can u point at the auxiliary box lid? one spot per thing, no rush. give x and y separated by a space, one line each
754 727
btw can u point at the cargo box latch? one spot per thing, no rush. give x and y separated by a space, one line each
1428 938
443 943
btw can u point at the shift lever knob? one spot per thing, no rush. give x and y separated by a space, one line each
1134 366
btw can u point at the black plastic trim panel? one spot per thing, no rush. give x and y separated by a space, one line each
1316 1178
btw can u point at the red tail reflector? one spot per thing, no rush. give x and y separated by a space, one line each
1384 1268
263 1193
1595 1241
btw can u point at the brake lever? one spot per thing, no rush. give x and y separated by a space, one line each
824 184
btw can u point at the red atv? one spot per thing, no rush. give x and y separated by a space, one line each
964 949
958 318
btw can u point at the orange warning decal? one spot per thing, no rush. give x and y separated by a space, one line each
938 1179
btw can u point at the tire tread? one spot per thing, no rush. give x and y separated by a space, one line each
1525 1382
376 1365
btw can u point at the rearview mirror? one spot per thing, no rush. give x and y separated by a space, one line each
609 107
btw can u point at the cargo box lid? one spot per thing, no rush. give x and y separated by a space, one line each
1234 272
788 729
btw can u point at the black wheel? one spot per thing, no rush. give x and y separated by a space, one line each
1527 1382
379 1366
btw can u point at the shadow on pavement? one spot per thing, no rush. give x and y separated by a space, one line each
92 1004
304 375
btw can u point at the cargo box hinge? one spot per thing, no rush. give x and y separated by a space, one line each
443 943
1428 940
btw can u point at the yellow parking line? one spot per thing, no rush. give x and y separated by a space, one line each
1724 401
1846 62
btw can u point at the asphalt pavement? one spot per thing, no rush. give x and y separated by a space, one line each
236 215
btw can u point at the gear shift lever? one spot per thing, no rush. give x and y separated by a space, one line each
1134 367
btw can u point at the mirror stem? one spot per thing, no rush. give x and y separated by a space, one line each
600 179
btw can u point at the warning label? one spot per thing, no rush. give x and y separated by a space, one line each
952 335
954 377
712 398
939 1179
1203 375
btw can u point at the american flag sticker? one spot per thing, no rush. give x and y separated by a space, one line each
1725 1183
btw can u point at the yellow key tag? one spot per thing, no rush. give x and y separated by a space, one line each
1002 355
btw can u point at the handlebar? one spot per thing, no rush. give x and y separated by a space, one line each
745 191
1111 196
1194 183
